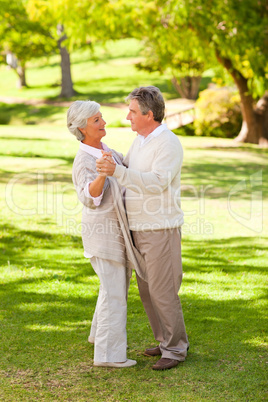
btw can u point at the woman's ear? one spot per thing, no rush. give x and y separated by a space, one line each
82 130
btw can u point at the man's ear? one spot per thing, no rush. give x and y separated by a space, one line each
150 115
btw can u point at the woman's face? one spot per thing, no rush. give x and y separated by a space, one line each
95 128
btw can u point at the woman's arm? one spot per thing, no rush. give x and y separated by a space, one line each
96 187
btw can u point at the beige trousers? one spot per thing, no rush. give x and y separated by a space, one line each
161 250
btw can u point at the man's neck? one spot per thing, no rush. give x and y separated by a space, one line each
149 129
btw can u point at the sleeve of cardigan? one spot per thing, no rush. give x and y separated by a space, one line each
166 164
81 177
97 200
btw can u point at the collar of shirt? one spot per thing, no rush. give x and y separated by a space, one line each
94 151
153 134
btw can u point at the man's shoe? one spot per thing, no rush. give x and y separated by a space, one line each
127 363
164 364
153 351
91 339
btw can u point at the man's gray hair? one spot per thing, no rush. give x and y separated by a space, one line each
149 98
77 116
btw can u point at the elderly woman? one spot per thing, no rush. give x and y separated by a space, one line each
105 235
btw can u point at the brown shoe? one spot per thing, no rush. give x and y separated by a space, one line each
153 352
164 364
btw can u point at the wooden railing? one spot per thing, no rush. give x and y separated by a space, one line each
184 116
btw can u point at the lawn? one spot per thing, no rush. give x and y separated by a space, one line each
49 290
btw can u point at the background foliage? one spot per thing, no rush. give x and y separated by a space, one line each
218 113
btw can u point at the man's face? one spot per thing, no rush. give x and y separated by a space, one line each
139 121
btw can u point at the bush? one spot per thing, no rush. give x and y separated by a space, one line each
4 114
184 131
218 113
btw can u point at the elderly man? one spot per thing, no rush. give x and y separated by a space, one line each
151 176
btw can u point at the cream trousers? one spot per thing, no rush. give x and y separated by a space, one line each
110 316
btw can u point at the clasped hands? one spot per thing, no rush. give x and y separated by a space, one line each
105 165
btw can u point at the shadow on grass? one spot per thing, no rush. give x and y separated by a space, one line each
30 113
229 256
46 314
217 179
29 154
215 176
32 178
16 242
241 148
23 139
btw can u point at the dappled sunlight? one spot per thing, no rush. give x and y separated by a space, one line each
258 341
49 328
50 290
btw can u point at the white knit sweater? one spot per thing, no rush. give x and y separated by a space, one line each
151 176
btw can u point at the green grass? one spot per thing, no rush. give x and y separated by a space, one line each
48 290
18 114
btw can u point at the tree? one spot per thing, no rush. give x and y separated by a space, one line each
54 16
21 38
234 32
185 64
73 24
237 31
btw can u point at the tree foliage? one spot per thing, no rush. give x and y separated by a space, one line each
21 36
73 24
232 31
175 52
33 28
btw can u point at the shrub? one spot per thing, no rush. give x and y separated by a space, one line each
218 113
4 114
184 131
118 123
4 118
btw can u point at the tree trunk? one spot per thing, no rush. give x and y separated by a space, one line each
187 87
22 77
254 128
178 87
262 120
249 129
67 90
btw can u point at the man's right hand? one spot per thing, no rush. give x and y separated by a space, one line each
106 164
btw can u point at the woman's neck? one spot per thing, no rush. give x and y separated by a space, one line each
93 144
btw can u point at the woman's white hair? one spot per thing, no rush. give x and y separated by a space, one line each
77 116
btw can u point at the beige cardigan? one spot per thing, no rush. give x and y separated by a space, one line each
105 232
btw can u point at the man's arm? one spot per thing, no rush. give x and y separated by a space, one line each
167 163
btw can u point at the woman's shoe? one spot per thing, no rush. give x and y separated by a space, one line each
91 339
127 363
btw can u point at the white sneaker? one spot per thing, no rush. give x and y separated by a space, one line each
91 339
127 363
